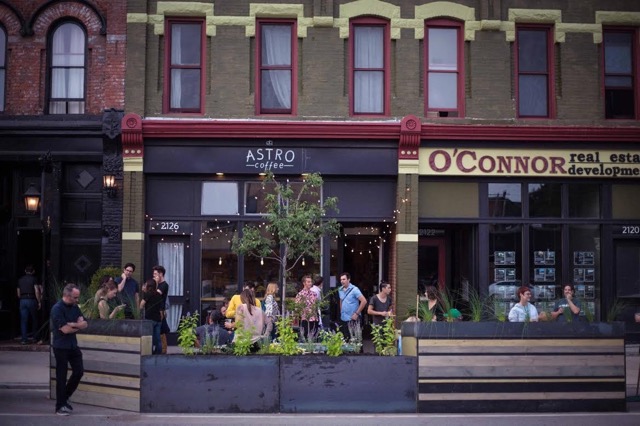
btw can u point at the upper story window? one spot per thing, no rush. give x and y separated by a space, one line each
619 73
184 66
3 65
68 45
534 72
444 80
370 67
276 68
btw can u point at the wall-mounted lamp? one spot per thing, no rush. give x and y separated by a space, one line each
31 199
109 185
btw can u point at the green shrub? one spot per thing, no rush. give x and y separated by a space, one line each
384 337
187 333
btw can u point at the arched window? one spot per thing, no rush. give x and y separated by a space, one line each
67 69
3 65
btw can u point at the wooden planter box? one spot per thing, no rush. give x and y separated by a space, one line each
272 384
209 384
518 367
111 352
348 384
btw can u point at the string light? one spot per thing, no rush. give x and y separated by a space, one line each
220 261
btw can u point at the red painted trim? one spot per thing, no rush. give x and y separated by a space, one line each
371 21
166 97
193 129
458 26
294 67
551 104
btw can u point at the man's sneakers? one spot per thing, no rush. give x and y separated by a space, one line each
63 411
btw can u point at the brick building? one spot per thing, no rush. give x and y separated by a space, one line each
62 69
472 144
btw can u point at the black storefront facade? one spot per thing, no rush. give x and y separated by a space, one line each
76 227
200 191
497 214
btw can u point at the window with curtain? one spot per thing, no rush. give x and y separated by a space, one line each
444 85
534 71
619 75
185 71
370 68
3 62
276 70
67 69
171 256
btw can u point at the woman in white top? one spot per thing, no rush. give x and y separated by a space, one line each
523 311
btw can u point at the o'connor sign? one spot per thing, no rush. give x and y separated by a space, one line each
530 162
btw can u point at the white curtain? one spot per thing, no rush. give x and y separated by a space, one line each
276 50
368 88
171 256
176 78
67 67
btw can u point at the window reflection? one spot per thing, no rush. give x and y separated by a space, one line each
505 200
544 200
256 193
219 264
584 200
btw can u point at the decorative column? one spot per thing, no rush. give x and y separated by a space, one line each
112 204
406 242
133 222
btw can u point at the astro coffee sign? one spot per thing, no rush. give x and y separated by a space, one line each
271 159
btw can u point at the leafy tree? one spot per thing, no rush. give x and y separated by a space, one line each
294 223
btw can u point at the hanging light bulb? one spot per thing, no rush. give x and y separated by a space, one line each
220 261
261 261
303 261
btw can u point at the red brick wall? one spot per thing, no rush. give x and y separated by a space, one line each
26 78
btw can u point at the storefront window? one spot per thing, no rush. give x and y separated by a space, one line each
584 246
256 192
505 200
505 262
545 260
219 198
584 200
544 200
219 264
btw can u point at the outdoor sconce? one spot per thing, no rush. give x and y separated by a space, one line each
31 199
109 185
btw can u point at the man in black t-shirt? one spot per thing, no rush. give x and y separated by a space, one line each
380 304
163 289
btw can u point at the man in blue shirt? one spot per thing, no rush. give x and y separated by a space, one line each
352 303
66 321
128 290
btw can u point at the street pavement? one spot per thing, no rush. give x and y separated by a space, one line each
24 400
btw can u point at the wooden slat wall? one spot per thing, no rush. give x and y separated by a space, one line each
517 375
111 371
